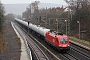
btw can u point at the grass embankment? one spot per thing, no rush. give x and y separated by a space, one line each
80 41
19 42
2 40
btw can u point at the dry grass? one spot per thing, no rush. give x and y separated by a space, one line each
81 41
18 39
19 42
2 40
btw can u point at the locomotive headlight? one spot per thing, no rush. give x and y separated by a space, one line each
68 45
59 45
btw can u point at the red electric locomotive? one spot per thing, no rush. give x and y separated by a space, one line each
58 40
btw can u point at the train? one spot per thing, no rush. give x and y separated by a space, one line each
57 40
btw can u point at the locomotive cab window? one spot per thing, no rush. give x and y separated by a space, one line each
63 40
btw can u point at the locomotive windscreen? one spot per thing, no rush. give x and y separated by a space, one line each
63 40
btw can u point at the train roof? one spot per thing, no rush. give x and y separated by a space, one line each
56 33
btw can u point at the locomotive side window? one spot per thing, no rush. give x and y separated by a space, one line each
63 40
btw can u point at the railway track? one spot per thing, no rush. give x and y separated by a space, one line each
37 53
74 53
68 56
82 51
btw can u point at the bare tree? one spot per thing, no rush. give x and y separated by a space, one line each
81 10
1 15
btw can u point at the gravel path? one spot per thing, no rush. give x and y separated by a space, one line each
12 47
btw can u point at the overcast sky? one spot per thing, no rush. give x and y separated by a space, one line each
62 2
